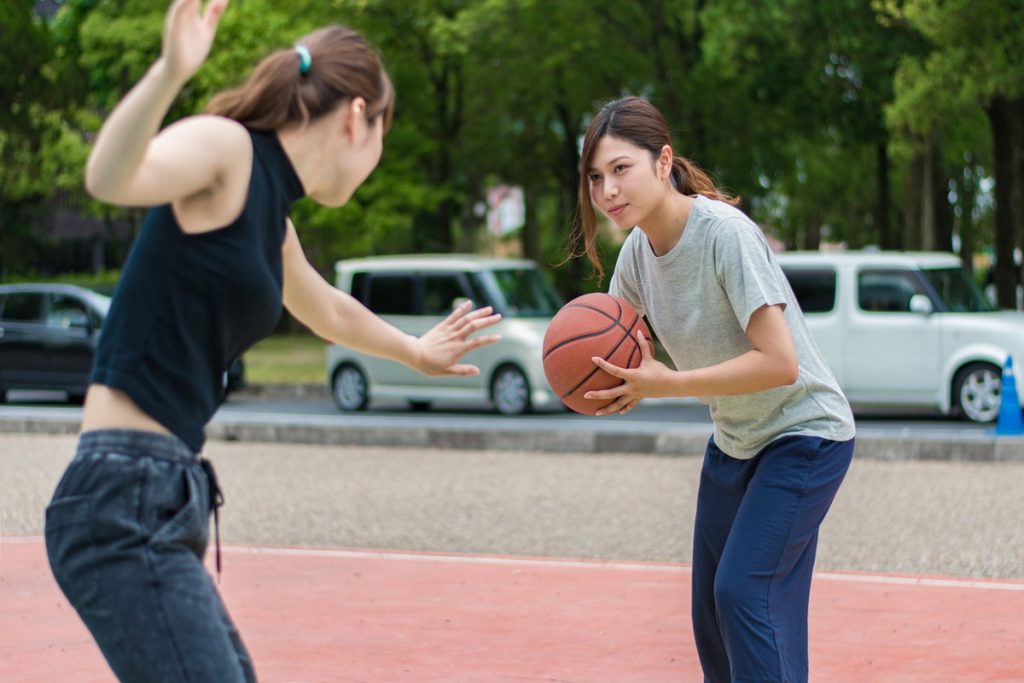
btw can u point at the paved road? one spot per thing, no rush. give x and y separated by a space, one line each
651 414
940 518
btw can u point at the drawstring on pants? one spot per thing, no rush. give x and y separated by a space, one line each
216 500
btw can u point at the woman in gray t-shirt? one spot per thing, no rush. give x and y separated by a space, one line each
702 273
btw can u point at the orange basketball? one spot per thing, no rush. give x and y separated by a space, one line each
591 325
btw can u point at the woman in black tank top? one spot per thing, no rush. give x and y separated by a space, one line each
215 262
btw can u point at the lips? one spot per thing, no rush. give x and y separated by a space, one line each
616 211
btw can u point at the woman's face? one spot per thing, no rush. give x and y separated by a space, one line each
626 184
367 152
351 157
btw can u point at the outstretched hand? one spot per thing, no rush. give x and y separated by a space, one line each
448 341
188 35
646 381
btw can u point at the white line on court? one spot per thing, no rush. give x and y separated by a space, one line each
330 553
600 564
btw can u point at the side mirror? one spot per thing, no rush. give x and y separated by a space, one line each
919 303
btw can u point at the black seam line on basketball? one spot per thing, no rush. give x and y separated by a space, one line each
598 310
610 354
573 339
615 322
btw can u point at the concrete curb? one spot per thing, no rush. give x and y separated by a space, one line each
689 442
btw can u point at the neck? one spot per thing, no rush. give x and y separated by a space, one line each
304 151
664 226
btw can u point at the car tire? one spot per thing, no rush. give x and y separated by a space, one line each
349 389
977 389
510 391
419 406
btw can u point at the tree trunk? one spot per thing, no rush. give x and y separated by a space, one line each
912 204
927 198
942 209
885 239
1016 121
531 228
812 235
998 112
967 191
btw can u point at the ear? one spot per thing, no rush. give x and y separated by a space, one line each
354 118
665 162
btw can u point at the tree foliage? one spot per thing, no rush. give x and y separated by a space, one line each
838 120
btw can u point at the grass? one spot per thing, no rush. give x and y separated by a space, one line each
287 359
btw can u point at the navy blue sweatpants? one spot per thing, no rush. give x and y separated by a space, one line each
753 551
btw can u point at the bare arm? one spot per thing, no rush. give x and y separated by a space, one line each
339 318
772 362
127 165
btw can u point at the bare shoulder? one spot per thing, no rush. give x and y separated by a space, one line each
220 150
211 133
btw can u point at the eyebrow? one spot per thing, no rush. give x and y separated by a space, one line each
612 162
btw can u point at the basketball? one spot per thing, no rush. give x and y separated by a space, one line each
590 325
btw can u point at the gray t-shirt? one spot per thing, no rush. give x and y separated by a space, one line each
698 299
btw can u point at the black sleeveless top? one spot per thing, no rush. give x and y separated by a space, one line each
187 305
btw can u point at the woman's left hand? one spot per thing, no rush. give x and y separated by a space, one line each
189 30
649 380
448 341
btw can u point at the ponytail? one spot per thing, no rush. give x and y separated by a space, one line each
297 85
690 179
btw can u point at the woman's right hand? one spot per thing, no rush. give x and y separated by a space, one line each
188 36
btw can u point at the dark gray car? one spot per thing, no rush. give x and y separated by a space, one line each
48 336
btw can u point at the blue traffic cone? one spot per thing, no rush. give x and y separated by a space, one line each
1009 421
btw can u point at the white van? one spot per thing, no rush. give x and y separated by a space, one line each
414 293
907 329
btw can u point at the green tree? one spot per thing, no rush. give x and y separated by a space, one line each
975 61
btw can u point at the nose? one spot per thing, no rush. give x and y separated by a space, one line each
611 190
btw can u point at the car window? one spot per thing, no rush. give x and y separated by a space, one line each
66 311
814 288
886 291
526 293
358 290
391 294
24 307
439 291
957 290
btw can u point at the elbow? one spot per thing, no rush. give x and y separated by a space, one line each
789 372
100 185
94 185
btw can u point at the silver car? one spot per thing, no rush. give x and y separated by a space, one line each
414 293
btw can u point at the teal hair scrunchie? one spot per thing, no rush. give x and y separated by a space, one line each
305 59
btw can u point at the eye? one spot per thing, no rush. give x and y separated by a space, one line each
594 177
621 167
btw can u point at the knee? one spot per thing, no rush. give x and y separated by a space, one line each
734 593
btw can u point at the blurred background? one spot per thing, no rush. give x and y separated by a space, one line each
896 124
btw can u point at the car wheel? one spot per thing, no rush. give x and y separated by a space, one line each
420 406
510 391
976 392
349 388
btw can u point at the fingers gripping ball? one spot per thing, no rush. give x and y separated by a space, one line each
591 325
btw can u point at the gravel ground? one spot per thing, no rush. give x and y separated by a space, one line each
944 518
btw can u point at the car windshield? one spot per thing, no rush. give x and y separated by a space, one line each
101 302
957 291
526 293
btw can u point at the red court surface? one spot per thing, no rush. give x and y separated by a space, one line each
316 615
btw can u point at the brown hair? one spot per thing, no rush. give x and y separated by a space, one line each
639 122
343 66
